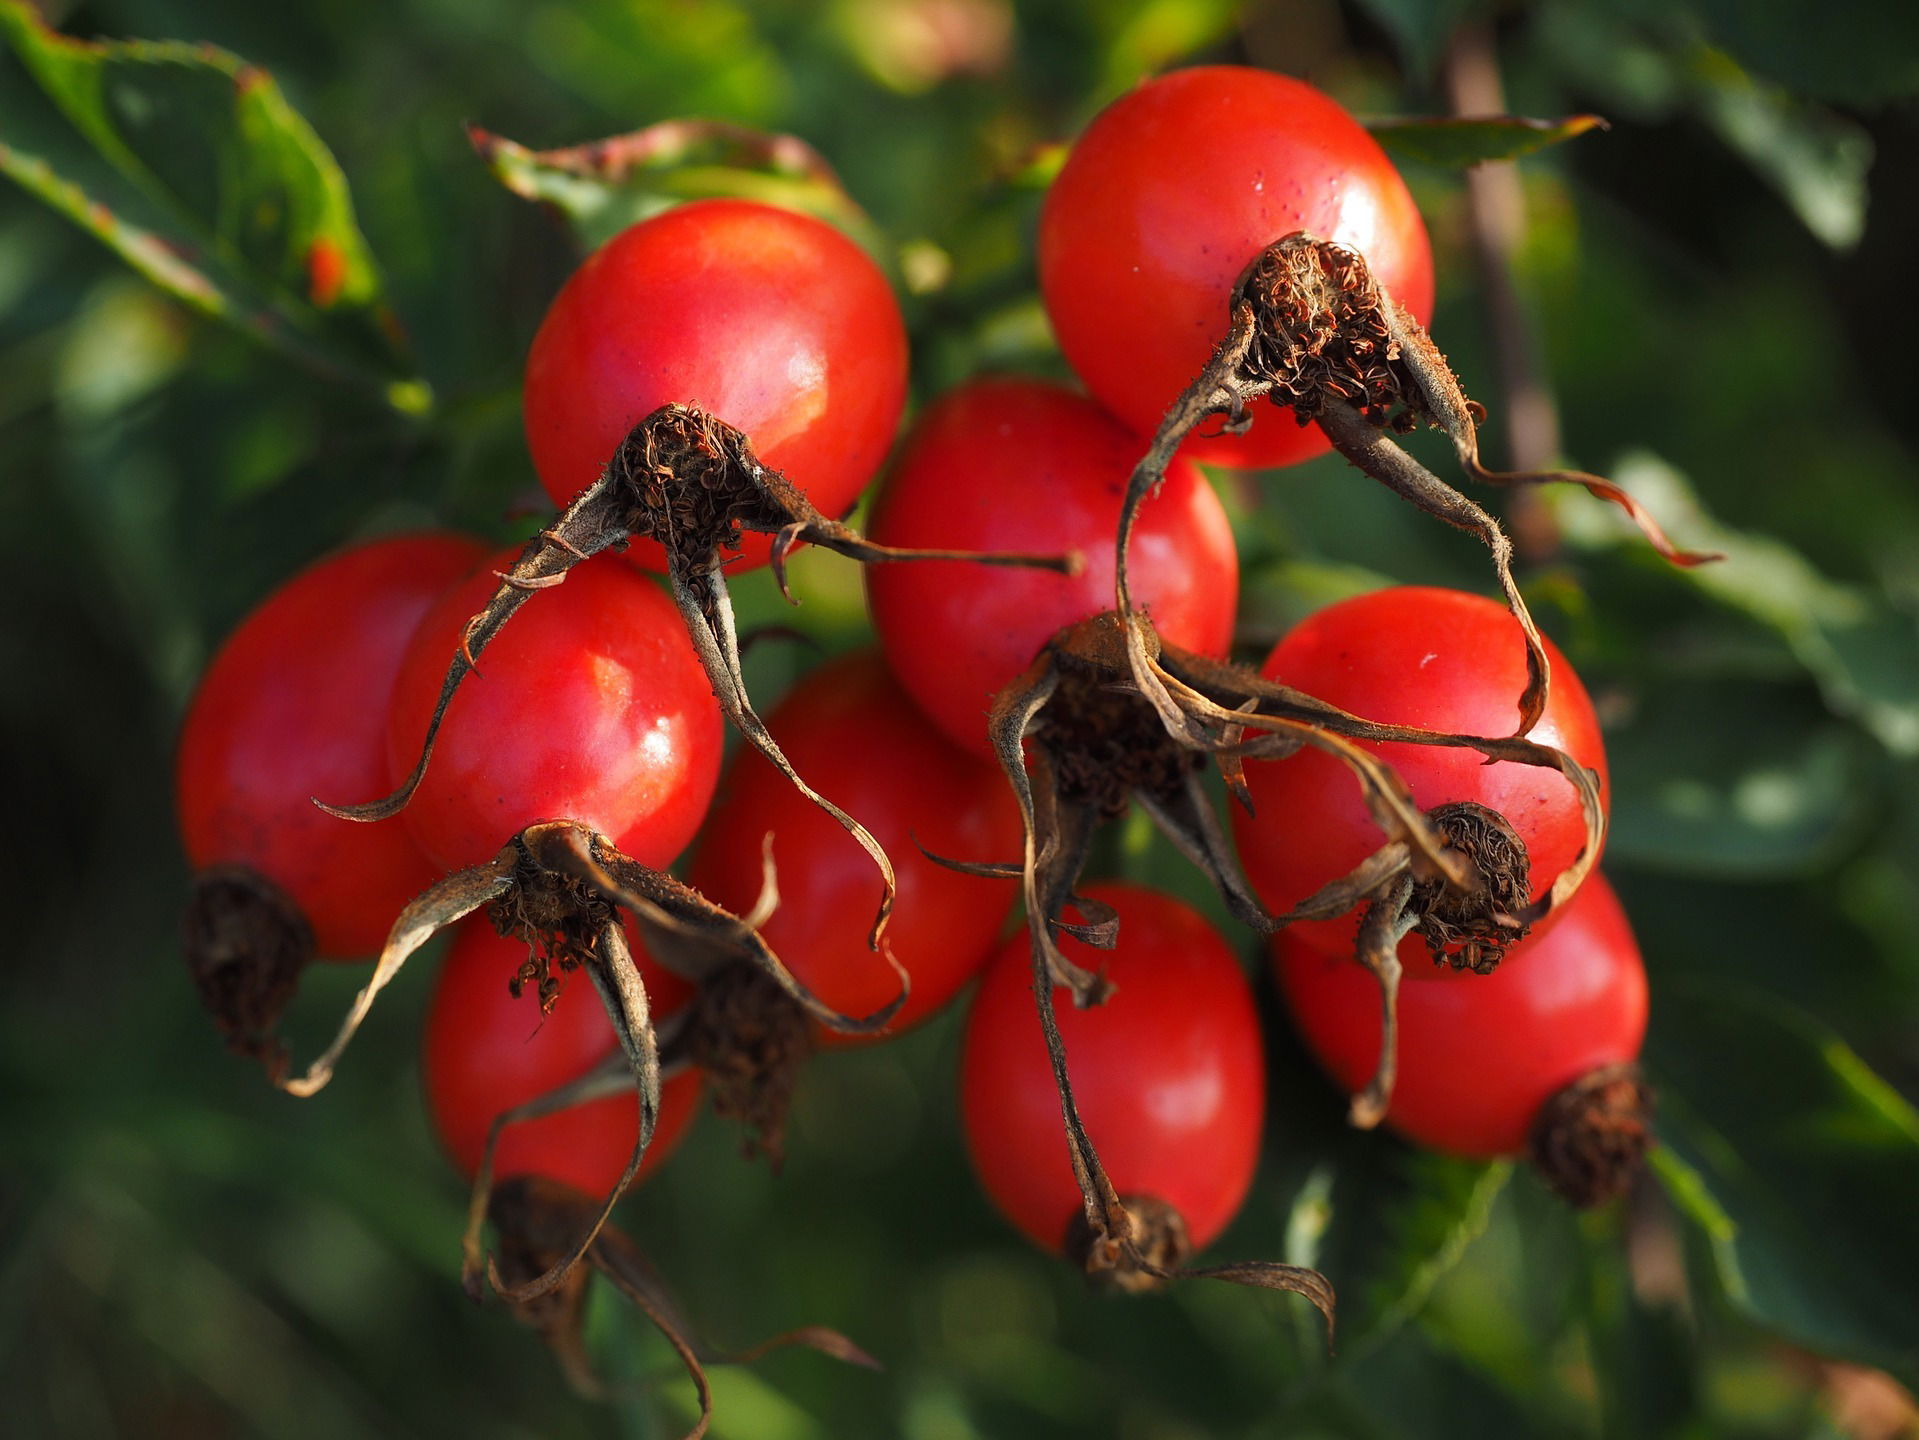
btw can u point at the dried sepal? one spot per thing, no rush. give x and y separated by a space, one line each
246 943
1136 1243
556 887
623 993
751 1042
1310 329
692 483
1107 713
1386 922
435 908
536 1219
1215 704
1589 1140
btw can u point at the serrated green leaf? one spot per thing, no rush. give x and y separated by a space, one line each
1797 1164
603 186
1441 140
189 163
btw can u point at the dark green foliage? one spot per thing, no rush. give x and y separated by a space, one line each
1721 282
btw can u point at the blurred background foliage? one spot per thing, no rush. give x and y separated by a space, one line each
1718 285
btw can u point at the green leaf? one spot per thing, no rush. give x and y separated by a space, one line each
1817 160
1745 781
1440 140
1862 652
190 164
1385 1223
1850 52
1798 1167
1422 28
603 186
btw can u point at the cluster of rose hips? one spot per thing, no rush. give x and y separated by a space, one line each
1415 776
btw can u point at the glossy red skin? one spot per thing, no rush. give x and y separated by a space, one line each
589 705
856 737
1169 1075
483 1052
1478 1059
294 706
774 322
1172 191
1019 464
1411 655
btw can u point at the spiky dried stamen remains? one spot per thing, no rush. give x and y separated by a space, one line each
1590 1139
1083 689
1104 744
536 1220
1310 329
691 482
1231 714
750 1041
246 943
1096 745
530 883
559 918
1471 929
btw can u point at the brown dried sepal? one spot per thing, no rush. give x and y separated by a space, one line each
1471 928
1589 1140
1160 1245
1308 327
691 482
552 884
750 1040
246 944
536 1220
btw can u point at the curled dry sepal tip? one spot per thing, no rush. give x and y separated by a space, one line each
537 1221
555 887
1108 714
1312 331
692 483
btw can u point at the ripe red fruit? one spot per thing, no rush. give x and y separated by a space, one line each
294 706
1477 1060
771 321
1411 655
1016 464
852 732
1172 191
485 1051
591 706
1169 1075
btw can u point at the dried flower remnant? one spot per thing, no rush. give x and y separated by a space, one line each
691 482
537 1220
1079 739
556 887
1311 330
